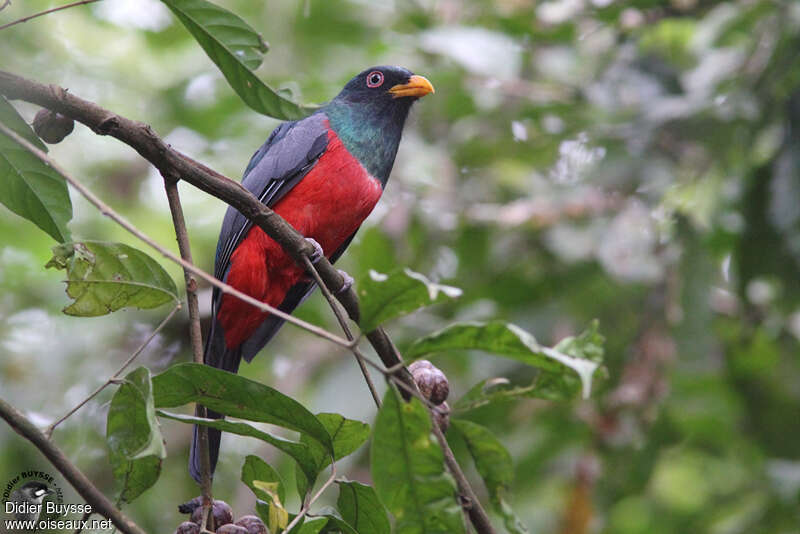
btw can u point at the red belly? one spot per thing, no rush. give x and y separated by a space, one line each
328 205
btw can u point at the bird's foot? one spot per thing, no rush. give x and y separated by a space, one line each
348 281
318 253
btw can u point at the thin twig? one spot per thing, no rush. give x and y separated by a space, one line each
53 10
6 3
100 504
113 378
196 337
345 328
470 501
304 509
119 219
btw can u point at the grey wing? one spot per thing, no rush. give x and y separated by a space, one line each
290 152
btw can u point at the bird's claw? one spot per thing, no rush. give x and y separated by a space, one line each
348 281
318 253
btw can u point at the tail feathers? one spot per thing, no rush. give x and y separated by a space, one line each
214 436
220 356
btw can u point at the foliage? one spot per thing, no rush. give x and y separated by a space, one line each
105 277
236 396
407 466
235 48
632 162
30 188
134 440
386 296
361 508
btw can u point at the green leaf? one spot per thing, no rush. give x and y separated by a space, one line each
588 345
387 296
337 524
28 186
257 470
236 396
276 516
105 277
360 507
347 435
312 526
494 464
263 511
581 354
228 28
232 45
499 389
136 447
408 470
299 451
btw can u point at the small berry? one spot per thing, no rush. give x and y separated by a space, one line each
420 364
431 381
253 524
52 127
187 527
222 513
230 528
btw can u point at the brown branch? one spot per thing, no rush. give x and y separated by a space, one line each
196 338
100 504
469 501
174 166
48 11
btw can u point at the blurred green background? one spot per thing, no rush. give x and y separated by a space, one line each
636 162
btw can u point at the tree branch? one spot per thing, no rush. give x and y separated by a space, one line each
196 339
39 14
100 504
470 502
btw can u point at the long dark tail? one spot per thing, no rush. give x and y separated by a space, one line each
217 354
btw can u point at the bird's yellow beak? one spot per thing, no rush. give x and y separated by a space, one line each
417 86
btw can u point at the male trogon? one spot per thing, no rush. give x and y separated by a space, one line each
323 174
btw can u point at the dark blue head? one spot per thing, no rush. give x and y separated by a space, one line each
369 114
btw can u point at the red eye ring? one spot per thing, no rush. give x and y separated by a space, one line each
374 79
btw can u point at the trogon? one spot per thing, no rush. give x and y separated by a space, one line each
323 175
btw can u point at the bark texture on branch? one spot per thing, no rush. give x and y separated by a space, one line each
100 504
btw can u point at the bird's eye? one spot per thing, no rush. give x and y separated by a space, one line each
374 79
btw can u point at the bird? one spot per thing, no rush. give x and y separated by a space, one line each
323 174
28 499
